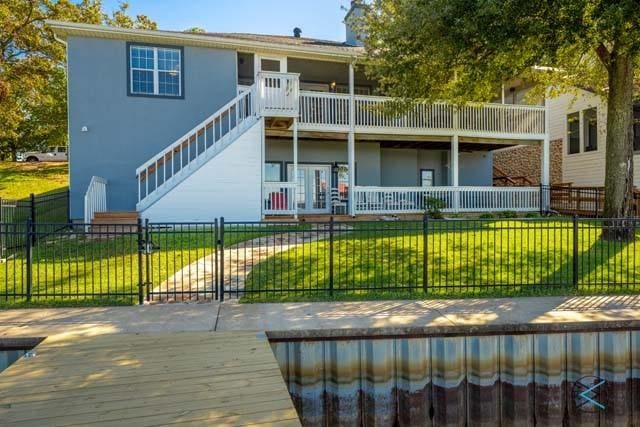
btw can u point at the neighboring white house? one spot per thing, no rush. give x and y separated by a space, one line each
580 121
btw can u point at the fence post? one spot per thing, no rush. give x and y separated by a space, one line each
221 244
141 248
575 251
425 230
216 270
32 216
68 207
29 258
147 255
331 255
541 200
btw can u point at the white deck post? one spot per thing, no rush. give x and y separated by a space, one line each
546 155
351 142
295 166
263 158
454 162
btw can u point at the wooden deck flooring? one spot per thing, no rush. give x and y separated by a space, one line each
188 378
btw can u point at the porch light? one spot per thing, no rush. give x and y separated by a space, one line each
332 86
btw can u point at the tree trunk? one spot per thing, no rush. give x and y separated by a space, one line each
618 182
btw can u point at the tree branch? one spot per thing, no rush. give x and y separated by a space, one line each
604 55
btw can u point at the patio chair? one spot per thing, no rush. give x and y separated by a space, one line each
338 206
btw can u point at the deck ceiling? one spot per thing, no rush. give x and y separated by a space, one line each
423 142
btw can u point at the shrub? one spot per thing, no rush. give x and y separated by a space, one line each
508 214
434 207
487 215
532 215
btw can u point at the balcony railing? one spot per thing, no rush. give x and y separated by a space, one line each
374 114
410 200
279 198
278 94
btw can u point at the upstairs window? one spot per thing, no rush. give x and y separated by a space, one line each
573 132
590 122
155 71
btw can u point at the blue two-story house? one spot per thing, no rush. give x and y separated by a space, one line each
192 126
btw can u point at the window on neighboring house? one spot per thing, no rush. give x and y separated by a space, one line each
426 177
273 171
573 132
155 71
590 123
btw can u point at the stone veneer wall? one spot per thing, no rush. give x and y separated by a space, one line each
526 160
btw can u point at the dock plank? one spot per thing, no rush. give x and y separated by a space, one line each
186 378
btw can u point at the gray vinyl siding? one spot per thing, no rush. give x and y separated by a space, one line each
125 131
388 167
367 156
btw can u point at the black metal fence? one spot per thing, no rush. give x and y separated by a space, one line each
44 208
321 260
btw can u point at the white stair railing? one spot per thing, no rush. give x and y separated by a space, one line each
95 199
170 166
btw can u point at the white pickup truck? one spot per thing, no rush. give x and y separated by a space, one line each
51 154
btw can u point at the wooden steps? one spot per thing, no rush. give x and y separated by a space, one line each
115 222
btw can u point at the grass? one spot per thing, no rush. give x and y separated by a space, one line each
464 259
106 270
18 180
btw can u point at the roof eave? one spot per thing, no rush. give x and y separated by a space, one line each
65 29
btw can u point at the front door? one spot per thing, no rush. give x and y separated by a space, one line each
313 191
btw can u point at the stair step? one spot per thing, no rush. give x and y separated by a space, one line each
115 218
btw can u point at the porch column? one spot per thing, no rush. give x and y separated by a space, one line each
455 172
546 157
454 160
295 166
351 142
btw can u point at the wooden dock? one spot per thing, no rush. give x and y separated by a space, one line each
188 378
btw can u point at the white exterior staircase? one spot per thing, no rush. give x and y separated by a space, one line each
171 166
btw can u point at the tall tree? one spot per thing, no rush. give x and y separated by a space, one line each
32 80
463 50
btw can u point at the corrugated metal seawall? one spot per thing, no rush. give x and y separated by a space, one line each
507 380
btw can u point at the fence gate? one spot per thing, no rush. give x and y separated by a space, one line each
179 262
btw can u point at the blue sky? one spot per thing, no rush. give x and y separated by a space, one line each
317 18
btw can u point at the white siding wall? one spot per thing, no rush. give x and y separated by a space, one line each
228 185
584 168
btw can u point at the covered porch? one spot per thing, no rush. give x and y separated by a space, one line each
391 177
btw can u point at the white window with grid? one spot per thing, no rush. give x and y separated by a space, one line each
155 71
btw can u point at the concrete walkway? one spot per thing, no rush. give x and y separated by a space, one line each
232 316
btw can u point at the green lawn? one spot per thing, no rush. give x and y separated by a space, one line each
464 259
18 180
68 266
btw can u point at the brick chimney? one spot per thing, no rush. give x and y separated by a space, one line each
355 37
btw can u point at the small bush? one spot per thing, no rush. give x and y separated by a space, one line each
434 207
508 214
532 215
487 215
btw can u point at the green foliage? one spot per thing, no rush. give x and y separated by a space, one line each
33 110
532 215
487 215
434 207
507 214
